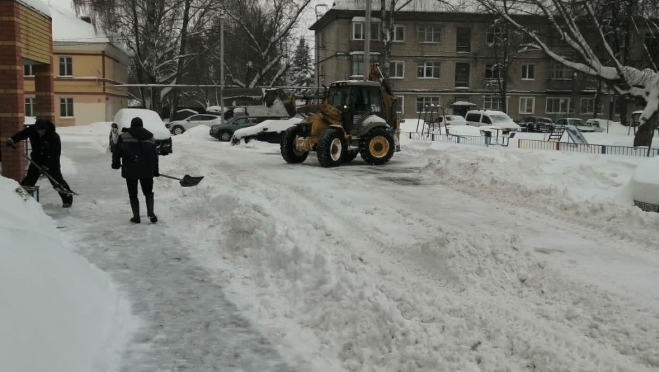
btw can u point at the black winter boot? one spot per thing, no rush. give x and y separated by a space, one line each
149 208
135 206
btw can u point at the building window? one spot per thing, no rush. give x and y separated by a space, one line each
357 66
29 106
526 105
423 101
462 75
492 103
493 34
429 34
492 72
557 105
359 31
558 71
396 69
28 70
428 70
399 33
463 42
66 107
400 103
321 40
65 66
588 105
528 72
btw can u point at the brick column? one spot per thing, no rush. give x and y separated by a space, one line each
43 88
11 89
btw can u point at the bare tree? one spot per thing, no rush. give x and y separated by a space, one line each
578 26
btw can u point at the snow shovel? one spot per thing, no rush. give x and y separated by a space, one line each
186 181
57 186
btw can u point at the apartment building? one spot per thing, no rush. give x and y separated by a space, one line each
448 59
87 69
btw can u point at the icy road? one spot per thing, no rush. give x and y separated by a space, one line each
450 258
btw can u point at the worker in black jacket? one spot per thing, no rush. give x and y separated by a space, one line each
46 152
136 154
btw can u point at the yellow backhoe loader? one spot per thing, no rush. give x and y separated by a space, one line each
356 117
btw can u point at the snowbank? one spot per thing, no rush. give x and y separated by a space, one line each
200 132
58 313
645 182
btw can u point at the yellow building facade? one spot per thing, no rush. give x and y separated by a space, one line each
87 69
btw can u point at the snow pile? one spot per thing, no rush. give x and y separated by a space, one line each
58 313
559 183
68 27
200 132
645 182
344 275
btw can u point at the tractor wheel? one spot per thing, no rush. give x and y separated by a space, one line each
287 146
377 146
331 145
350 156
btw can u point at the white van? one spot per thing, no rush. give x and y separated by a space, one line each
480 118
152 122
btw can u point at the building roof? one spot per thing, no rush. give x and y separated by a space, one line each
420 10
68 27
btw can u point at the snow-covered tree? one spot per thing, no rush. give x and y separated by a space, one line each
302 68
579 27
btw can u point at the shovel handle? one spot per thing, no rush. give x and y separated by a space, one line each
166 176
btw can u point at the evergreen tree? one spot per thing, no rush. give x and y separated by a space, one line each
302 69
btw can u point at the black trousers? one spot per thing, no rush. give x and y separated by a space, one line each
33 174
146 183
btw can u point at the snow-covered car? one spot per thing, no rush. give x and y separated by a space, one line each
454 120
479 118
180 126
536 124
152 122
182 114
224 132
579 123
267 131
645 185
600 124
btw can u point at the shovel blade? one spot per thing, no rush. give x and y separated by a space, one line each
189 181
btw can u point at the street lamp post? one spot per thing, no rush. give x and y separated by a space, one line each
222 68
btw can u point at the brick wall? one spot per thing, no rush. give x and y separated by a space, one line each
11 91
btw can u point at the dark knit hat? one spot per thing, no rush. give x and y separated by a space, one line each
136 123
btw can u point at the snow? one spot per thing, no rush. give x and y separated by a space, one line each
266 126
645 182
38 5
449 258
59 312
217 109
68 27
151 120
200 131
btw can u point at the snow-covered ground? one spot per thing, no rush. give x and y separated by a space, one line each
58 313
449 258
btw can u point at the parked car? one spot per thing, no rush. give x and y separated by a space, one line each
224 132
599 124
579 123
479 118
182 114
536 124
450 120
152 122
267 131
180 126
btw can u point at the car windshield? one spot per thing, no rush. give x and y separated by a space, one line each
496 118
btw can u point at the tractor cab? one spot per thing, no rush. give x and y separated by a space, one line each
356 100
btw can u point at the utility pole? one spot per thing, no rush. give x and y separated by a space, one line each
222 68
367 40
